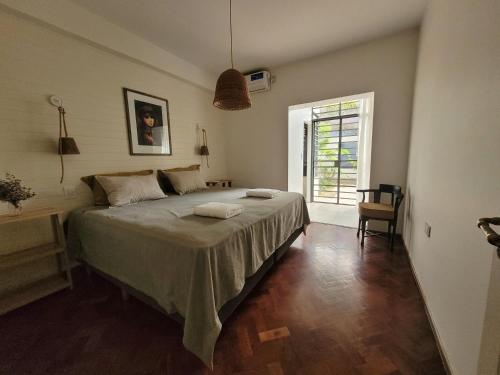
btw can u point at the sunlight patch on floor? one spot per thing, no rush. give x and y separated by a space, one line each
329 213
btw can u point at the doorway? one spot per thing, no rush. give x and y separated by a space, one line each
329 155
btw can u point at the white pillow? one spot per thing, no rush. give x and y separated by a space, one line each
186 181
122 190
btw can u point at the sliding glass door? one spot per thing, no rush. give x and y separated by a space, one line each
335 153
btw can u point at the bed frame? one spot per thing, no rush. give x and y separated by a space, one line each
229 307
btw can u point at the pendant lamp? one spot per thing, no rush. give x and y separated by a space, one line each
231 91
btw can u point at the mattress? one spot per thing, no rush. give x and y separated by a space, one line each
188 264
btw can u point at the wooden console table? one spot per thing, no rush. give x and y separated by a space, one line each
13 299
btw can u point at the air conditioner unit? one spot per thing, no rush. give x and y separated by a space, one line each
259 81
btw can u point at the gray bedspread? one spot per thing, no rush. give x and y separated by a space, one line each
189 264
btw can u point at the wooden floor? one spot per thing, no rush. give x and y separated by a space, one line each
327 308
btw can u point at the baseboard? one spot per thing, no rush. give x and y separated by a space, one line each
435 333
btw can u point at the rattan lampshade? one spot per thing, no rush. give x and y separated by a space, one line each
231 92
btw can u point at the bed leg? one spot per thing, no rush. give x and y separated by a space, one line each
124 294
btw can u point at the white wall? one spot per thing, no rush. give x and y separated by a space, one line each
454 171
257 138
35 62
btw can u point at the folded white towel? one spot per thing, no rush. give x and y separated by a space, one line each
218 210
263 193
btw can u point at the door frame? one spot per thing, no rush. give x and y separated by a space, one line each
366 115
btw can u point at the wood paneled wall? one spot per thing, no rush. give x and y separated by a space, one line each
36 62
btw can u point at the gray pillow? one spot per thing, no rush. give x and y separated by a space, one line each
186 181
122 190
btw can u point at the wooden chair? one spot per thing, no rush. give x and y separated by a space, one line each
380 211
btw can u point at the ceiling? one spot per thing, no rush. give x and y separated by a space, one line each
265 33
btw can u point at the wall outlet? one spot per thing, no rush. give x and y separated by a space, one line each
427 229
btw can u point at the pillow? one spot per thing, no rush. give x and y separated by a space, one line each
122 190
165 182
186 181
100 198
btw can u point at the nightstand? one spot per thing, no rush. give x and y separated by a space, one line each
223 182
13 299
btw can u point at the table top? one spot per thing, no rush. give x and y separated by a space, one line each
219 180
30 215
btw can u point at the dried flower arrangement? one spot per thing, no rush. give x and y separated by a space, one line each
13 192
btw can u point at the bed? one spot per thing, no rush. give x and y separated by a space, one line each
194 267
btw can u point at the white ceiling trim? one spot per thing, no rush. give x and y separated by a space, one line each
73 19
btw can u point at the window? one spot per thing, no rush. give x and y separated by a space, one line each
335 130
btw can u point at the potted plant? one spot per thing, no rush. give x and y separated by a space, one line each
12 192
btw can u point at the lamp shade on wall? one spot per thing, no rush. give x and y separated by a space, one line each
204 150
204 146
67 146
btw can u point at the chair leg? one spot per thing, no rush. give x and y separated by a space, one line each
363 230
393 234
389 231
359 227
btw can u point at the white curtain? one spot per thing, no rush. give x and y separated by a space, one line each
365 140
296 120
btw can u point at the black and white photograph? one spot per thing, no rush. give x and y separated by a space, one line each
148 123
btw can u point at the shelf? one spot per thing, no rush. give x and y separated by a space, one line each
26 256
31 292
30 215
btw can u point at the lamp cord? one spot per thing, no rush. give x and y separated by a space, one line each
62 123
231 31
204 137
205 143
63 113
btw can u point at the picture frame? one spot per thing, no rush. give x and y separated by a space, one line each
148 123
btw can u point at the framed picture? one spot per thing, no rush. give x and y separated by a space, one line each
148 123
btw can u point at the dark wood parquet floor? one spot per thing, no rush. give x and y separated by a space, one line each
327 308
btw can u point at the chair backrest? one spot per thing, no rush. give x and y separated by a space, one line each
395 191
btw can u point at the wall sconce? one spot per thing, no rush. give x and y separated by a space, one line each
67 145
204 147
